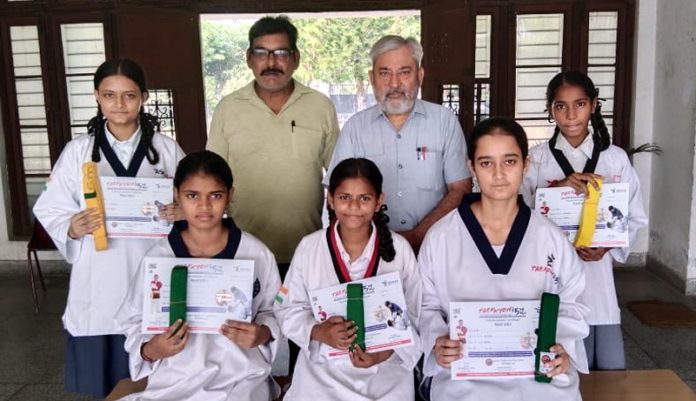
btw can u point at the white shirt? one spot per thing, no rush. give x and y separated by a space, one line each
319 378
210 367
357 268
614 166
99 281
577 157
124 149
454 270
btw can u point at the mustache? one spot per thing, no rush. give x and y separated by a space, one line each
400 91
269 71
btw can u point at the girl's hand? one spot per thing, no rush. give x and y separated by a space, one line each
84 222
561 364
168 343
578 181
172 212
447 351
591 254
246 335
364 359
336 332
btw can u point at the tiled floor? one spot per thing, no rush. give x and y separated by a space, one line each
31 345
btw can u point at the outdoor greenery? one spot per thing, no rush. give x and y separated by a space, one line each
334 51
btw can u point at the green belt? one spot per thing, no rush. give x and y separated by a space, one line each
546 334
177 295
356 313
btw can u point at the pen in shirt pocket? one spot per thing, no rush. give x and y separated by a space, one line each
421 152
292 126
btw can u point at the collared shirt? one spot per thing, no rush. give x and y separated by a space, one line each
577 157
277 162
417 161
124 149
358 267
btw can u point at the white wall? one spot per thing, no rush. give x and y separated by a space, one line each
642 113
673 206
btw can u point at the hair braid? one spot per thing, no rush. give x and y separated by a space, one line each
148 125
95 127
601 132
386 243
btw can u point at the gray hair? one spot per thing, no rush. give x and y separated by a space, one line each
393 42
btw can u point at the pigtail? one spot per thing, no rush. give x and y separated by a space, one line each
149 124
332 214
95 127
601 132
386 243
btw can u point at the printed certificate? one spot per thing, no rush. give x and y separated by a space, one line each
564 207
498 338
132 206
387 324
217 290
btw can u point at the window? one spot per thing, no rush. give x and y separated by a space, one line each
548 38
83 52
482 71
31 112
40 123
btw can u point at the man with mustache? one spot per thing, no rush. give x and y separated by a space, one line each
277 135
418 146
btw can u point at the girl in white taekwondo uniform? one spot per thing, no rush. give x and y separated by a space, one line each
357 244
236 364
493 247
572 159
121 136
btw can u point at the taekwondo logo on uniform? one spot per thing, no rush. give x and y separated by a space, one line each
160 171
550 259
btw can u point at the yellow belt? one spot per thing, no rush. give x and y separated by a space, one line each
588 217
94 199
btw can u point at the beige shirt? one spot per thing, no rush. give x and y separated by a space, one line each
277 162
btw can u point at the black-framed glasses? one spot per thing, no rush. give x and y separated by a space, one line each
263 53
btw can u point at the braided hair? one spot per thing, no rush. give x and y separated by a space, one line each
364 168
149 124
600 133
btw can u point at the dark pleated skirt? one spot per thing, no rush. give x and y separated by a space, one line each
94 364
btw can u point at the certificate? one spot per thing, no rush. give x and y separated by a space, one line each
132 206
498 338
564 207
387 325
217 290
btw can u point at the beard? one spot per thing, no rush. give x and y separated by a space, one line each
401 105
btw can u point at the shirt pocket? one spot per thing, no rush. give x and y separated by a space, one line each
306 143
430 170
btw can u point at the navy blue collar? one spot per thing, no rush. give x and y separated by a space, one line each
181 251
115 163
503 264
563 162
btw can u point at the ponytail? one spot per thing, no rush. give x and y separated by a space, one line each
95 127
386 243
601 133
149 124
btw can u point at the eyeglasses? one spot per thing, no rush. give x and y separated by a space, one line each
263 53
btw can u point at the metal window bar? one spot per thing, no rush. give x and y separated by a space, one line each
161 105
450 97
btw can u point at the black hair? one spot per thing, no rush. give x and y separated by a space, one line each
149 124
505 126
576 78
364 168
271 25
206 163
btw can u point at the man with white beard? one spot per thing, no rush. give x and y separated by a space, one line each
418 146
